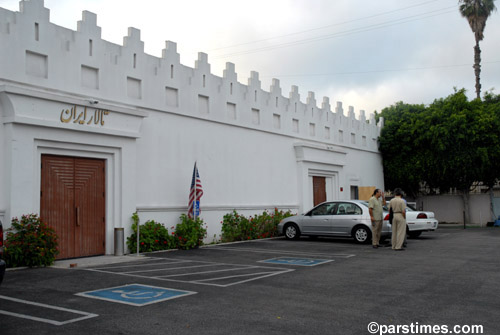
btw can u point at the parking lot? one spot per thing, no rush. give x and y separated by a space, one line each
310 286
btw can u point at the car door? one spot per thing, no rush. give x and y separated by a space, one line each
347 215
318 220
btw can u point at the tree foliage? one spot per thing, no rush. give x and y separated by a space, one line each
451 144
402 163
477 12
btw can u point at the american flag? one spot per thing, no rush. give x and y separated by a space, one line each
195 194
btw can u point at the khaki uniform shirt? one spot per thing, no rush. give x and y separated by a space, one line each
376 206
398 205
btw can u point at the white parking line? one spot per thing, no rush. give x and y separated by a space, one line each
168 269
135 265
286 252
204 272
297 261
53 322
272 242
267 274
269 271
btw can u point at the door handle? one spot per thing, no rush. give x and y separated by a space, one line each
77 217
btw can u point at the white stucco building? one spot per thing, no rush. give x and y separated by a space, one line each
93 131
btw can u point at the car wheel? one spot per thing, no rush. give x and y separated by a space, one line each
292 232
414 234
362 234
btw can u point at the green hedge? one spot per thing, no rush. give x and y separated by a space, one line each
153 236
236 227
189 233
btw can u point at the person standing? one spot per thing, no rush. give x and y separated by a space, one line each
406 234
376 214
398 206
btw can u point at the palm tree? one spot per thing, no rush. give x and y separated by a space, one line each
477 12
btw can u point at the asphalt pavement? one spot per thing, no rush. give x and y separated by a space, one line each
446 278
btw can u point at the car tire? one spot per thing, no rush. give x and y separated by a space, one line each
292 232
414 234
362 234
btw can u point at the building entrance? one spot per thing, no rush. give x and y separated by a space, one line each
72 201
319 190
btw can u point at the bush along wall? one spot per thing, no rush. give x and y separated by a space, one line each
32 243
154 236
236 227
189 233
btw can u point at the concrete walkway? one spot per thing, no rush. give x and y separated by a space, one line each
96 260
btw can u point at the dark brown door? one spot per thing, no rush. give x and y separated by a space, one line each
319 190
72 201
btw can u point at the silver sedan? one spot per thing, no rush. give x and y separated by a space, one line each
347 218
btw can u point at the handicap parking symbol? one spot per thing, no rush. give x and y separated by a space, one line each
297 261
136 294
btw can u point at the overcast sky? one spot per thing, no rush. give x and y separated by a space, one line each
367 54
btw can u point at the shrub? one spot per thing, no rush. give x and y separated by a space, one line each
189 233
153 236
33 243
232 226
236 227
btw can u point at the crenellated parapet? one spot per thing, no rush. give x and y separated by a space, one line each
40 54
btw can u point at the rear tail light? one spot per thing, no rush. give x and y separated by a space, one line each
386 217
422 216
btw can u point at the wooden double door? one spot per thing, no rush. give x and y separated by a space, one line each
72 201
319 190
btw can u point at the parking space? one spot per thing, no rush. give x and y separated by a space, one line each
192 271
38 312
257 249
135 294
319 286
225 265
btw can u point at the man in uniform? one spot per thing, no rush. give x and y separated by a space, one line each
398 207
376 214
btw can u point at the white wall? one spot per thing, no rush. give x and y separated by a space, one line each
450 208
255 149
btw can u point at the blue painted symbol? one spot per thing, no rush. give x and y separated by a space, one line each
135 294
297 261
150 294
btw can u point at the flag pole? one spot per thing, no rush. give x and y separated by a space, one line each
138 224
195 179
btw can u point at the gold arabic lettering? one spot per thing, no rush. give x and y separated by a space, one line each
96 118
69 112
